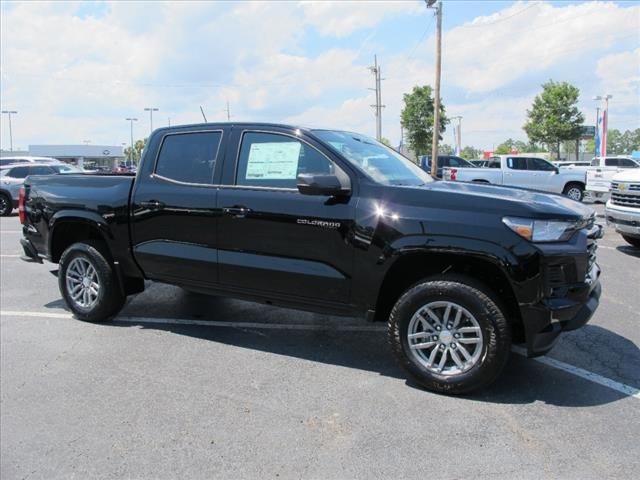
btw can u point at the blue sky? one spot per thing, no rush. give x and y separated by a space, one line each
75 70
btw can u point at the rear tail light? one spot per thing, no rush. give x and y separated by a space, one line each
21 205
453 174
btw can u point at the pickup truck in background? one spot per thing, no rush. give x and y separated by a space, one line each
523 171
600 175
443 161
331 222
623 208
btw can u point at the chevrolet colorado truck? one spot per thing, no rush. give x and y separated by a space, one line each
331 222
523 171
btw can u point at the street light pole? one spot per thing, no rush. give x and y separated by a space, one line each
9 113
150 110
131 120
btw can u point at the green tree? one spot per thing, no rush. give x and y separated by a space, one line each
554 116
417 119
135 154
469 153
445 149
502 149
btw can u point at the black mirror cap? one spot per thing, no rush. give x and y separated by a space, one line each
323 184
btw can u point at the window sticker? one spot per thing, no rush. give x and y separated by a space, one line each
273 161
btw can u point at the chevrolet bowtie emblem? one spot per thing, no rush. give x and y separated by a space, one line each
621 186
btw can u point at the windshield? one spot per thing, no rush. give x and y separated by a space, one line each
378 161
66 169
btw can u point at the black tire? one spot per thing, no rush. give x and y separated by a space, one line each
574 191
633 241
6 205
476 299
109 299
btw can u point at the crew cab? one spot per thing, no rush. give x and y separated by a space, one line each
331 222
443 161
523 171
623 208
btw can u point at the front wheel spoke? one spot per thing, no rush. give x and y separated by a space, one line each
469 341
417 346
85 297
432 357
94 286
456 359
443 360
414 336
447 312
456 321
94 292
76 289
432 316
469 330
74 274
425 325
463 350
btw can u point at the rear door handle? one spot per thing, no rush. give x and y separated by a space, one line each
239 212
152 205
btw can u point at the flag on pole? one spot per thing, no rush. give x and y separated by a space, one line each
603 141
597 149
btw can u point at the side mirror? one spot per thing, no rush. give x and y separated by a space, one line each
322 184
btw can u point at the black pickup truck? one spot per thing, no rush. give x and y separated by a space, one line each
326 221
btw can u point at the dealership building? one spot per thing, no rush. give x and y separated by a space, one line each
84 156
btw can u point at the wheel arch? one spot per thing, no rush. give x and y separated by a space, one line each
411 267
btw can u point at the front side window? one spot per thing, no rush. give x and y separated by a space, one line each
189 157
376 160
611 162
627 163
274 161
540 164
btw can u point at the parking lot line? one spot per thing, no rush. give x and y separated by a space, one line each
550 362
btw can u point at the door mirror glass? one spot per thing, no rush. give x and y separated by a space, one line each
323 184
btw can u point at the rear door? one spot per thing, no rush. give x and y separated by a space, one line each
543 175
173 208
516 173
274 241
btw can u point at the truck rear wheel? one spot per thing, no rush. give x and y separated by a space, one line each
575 191
633 241
450 335
88 283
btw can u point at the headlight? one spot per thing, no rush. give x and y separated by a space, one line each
541 230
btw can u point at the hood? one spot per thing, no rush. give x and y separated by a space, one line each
507 200
631 175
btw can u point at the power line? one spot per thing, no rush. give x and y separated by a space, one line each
500 20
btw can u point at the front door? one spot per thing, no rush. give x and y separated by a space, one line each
173 209
273 240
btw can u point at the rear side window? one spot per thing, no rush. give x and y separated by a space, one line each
517 163
272 160
18 172
611 162
41 170
189 157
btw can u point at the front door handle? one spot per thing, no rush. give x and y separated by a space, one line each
152 205
238 212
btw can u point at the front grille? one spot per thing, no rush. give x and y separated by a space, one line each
624 199
634 187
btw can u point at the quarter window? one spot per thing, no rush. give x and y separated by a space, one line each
189 157
272 160
18 172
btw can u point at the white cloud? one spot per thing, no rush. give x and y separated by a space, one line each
619 75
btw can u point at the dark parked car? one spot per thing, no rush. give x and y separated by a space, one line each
443 161
331 222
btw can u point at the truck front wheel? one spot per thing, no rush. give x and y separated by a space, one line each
88 283
450 335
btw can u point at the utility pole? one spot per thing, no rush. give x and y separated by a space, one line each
228 112
378 106
131 120
436 103
150 110
9 113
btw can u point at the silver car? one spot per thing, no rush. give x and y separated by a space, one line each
12 178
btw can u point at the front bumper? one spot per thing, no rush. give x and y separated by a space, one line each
545 321
624 219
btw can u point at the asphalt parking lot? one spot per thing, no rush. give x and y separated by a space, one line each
187 386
